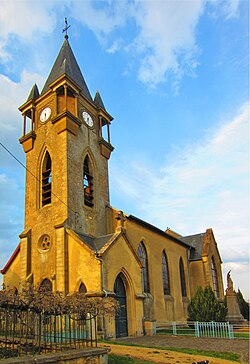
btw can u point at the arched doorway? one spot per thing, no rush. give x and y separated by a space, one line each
121 322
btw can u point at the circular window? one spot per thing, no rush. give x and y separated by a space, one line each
44 243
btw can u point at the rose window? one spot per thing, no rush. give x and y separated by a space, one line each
44 243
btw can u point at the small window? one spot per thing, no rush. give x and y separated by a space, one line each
82 288
165 274
214 278
88 183
144 260
46 180
182 279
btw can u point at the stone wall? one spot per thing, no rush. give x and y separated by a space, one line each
82 356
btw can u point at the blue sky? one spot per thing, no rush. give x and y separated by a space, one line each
174 75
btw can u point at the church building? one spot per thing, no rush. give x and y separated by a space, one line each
74 240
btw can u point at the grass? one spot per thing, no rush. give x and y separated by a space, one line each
214 354
119 359
190 332
242 335
181 331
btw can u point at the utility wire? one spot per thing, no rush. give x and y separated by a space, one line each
13 156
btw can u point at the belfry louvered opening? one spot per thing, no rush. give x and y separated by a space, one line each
88 183
46 180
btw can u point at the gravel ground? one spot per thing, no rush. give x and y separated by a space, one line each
238 346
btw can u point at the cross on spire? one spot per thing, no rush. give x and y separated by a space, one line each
66 29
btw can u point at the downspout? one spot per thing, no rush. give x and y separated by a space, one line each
102 288
188 252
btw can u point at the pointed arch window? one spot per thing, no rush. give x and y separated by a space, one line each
88 183
45 285
46 179
214 278
165 274
182 279
144 260
82 288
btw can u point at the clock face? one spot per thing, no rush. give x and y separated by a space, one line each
88 119
45 114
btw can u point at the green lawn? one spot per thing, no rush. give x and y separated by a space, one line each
215 354
118 359
242 335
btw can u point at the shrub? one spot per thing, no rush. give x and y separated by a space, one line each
244 306
204 307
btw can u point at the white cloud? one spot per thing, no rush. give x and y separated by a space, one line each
204 185
25 17
11 213
14 91
227 8
164 38
240 277
101 17
115 46
24 20
166 33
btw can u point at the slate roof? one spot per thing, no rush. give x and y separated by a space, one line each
195 241
12 258
157 230
96 244
98 101
34 93
66 63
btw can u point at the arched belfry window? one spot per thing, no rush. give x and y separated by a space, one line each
165 274
214 278
144 260
88 182
182 279
46 179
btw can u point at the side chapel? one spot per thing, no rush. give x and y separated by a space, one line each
73 239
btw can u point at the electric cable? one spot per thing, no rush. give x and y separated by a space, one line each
13 156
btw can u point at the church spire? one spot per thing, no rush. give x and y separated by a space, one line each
98 101
66 64
34 93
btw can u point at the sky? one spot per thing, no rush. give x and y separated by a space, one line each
174 75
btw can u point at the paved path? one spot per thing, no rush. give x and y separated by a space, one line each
238 346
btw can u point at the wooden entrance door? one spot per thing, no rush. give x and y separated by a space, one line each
121 323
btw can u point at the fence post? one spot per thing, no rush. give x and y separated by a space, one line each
174 328
230 331
196 325
214 324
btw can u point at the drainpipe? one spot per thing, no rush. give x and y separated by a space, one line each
102 287
188 252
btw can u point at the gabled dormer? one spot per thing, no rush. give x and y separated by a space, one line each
28 112
104 119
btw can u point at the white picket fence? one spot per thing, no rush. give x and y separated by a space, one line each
214 329
204 329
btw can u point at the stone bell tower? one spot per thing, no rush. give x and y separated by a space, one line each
66 160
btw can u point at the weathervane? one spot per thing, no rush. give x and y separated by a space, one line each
66 29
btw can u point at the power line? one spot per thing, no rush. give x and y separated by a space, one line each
13 156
